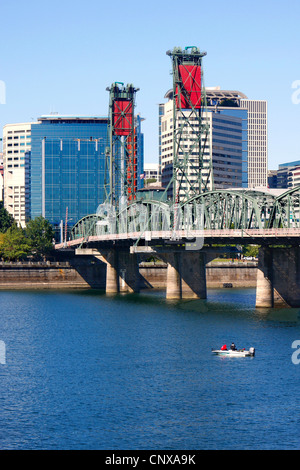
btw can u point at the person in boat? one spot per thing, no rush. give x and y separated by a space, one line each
224 347
233 347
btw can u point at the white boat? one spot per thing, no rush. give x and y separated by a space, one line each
234 353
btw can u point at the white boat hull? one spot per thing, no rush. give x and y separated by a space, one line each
238 353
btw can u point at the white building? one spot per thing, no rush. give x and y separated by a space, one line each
16 142
257 142
223 146
254 119
1 176
151 171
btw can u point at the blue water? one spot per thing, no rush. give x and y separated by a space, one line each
86 371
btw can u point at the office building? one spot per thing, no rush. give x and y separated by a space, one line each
1 176
272 179
252 115
55 167
288 175
223 145
67 167
255 129
257 142
68 171
16 145
228 103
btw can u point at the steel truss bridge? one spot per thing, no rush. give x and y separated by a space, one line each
220 216
196 211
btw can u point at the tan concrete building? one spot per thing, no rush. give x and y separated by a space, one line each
16 142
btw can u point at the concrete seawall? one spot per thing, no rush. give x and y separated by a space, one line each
54 275
217 274
91 273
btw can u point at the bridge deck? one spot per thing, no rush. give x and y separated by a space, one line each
284 236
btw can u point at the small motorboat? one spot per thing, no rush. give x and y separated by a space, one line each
234 353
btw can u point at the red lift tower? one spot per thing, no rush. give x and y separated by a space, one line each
189 130
122 155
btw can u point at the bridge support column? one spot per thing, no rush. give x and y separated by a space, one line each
278 277
112 281
128 270
186 277
122 272
264 283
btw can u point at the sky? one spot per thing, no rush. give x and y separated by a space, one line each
60 55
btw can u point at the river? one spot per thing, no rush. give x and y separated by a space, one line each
87 371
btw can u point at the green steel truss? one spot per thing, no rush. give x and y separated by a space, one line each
286 210
219 210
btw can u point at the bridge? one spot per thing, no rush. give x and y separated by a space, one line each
184 235
192 216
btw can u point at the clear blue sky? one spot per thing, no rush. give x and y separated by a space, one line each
61 55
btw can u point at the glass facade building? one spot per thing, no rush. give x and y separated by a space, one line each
242 114
67 167
229 148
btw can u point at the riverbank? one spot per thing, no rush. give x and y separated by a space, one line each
218 274
79 273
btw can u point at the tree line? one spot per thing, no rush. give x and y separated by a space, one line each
33 242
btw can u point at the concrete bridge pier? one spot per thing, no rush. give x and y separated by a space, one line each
264 285
122 272
278 277
112 277
128 271
122 269
186 278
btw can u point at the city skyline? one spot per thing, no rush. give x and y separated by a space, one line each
62 59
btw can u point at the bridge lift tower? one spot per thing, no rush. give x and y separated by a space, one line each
121 156
190 133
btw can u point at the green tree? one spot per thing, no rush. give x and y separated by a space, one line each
6 220
14 245
250 250
39 234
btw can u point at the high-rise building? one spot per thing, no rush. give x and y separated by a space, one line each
56 167
223 146
254 115
67 167
1 176
16 144
228 103
68 171
257 141
249 154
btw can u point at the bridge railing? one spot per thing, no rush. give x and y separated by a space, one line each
182 235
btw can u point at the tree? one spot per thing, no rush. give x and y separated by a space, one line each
250 250
6 220
39 234
13 244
